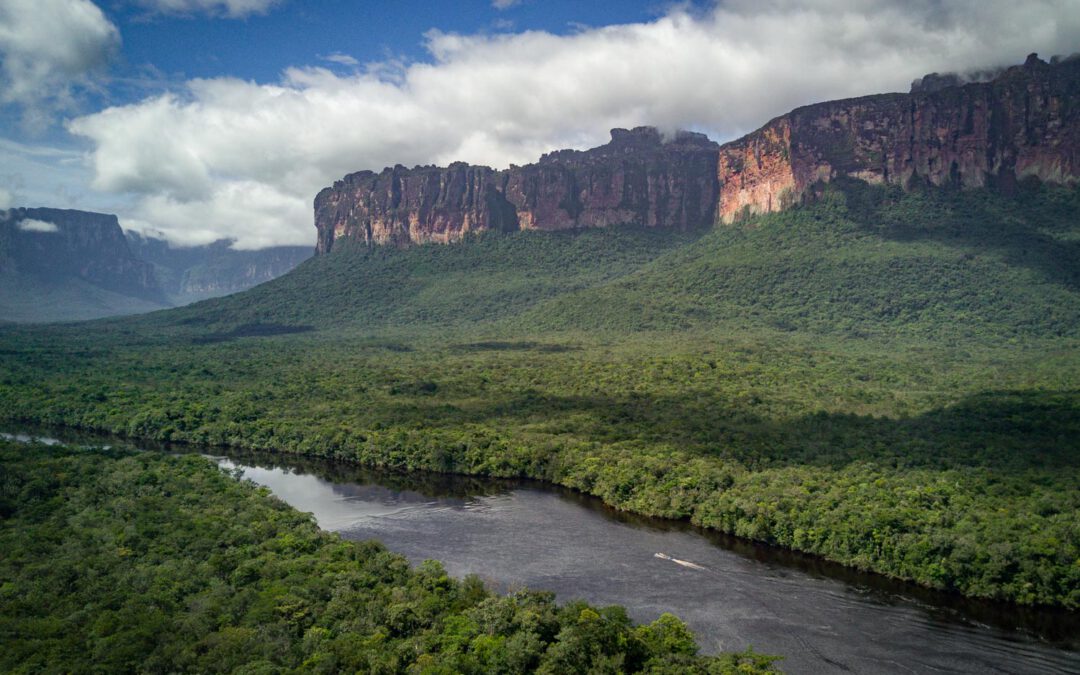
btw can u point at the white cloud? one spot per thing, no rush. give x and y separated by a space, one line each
233 9
504 4
48 48
232 158
341 59
6 199
33 225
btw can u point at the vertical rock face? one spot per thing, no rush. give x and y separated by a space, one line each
639 177
402 206
56 243
1025 122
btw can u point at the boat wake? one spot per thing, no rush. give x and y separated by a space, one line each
684 563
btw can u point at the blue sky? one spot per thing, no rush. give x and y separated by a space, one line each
260 46
202 119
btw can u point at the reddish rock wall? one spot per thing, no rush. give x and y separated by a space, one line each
1026 122
639 177
402 206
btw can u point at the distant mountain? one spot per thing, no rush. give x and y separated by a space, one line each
58 265
67 265
195 273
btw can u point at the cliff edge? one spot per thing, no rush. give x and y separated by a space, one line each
1022 122
639 177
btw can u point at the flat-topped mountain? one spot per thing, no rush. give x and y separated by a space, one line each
1025 122
59 264
66 265
57 243
639 177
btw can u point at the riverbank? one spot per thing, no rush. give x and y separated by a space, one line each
154 562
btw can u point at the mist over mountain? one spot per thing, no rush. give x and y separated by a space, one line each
192 273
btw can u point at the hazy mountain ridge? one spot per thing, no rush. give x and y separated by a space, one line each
194 273
68 265
90 246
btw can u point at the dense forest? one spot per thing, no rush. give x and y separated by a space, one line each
860 261
887 379
119 561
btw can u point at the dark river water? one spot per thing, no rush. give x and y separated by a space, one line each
821 617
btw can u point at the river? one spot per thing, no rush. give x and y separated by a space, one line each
514 534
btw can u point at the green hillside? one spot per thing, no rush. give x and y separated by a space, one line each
861 260
884 379
35 299
480 280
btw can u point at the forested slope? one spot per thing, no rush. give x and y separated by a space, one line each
887 379
859 260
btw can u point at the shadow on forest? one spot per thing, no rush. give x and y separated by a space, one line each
518 346
975 221
1012 430
251 330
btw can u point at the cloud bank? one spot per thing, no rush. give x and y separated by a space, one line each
238 159
33 225
49 48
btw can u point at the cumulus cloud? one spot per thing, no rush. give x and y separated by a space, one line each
233 9
48 48
33 225
227 157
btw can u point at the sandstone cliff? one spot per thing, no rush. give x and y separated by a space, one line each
639 177
1025 122
1020 122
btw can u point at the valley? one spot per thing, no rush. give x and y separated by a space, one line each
777 422
848 339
